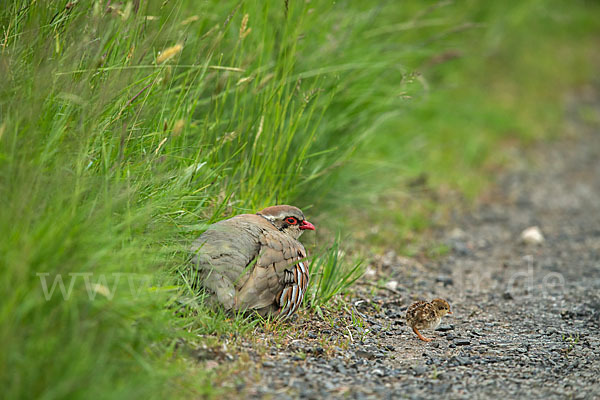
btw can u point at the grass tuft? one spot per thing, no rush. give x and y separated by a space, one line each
330 274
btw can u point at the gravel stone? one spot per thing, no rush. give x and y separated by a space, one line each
461 342
445 328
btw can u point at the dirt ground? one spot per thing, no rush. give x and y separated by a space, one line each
526 316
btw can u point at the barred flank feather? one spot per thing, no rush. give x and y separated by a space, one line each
291 296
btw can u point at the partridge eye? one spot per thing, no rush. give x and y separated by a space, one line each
291 220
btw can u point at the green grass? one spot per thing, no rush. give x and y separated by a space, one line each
113 157
330 274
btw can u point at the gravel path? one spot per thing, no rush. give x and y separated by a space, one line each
526 317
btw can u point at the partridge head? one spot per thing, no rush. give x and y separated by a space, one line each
424 315
255 262
288 219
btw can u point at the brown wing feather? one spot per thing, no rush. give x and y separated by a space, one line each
269 280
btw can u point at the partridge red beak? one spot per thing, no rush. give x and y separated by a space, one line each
307 225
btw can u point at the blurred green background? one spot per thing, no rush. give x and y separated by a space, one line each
128 126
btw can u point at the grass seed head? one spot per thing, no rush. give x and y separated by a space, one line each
168 53
244 30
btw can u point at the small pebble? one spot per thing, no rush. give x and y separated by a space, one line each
419 369
365 354
444 328
461 342
370 273
532 235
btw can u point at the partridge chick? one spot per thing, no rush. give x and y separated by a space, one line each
424 315
255 261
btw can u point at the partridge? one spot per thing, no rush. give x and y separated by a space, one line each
254 262
424 315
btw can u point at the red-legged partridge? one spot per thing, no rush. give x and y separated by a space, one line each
255 261
424 315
